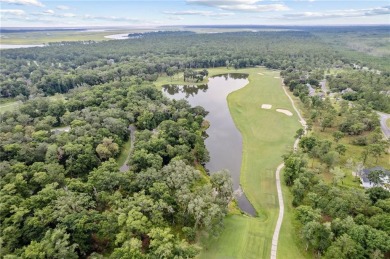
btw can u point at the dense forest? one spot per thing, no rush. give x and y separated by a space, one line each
61 191
63 195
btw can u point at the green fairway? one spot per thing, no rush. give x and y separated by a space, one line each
267 135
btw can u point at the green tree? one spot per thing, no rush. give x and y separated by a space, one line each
376 177
344 248
338 175
337 135
55 244
341 149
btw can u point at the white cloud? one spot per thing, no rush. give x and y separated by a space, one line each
24 2
67 15
255 8
62 7
109 18
340 13
49 12
201 13
176 18
222 2
16 12
240 5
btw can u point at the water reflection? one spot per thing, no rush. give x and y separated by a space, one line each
188 90
224 142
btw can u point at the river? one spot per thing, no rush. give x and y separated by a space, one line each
224 142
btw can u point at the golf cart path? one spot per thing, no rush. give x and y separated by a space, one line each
383 118
125 167
275 238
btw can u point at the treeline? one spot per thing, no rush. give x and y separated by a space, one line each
336 221
57 69
63 196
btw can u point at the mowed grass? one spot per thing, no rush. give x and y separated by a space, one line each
267 135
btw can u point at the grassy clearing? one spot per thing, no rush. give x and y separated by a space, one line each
125 150
267 135
9 106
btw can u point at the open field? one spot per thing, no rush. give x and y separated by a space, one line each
267 135
43 37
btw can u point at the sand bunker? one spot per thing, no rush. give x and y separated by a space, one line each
287 112
261 74
266 106
277 77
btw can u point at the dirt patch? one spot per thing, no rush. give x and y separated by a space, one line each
260 74
287 112
266 106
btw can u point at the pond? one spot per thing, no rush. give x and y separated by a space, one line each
224 142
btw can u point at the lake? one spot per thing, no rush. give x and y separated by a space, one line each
224 142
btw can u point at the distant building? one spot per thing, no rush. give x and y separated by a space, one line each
385 179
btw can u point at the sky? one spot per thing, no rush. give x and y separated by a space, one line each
138 13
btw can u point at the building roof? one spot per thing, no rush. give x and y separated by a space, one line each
367 171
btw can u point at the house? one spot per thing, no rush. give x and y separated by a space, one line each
384 179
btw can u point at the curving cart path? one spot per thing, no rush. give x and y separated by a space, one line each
275 238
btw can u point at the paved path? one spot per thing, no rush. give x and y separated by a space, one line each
383 118
125 167
275 238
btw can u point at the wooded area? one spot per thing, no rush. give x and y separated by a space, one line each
62 194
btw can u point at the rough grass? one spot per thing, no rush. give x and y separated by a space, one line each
121 159
9 106
267 135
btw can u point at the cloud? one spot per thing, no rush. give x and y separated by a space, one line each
62 7
201 13
109 18
67 15
49 12
339 13
23 2
16 12
240 5
175 18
